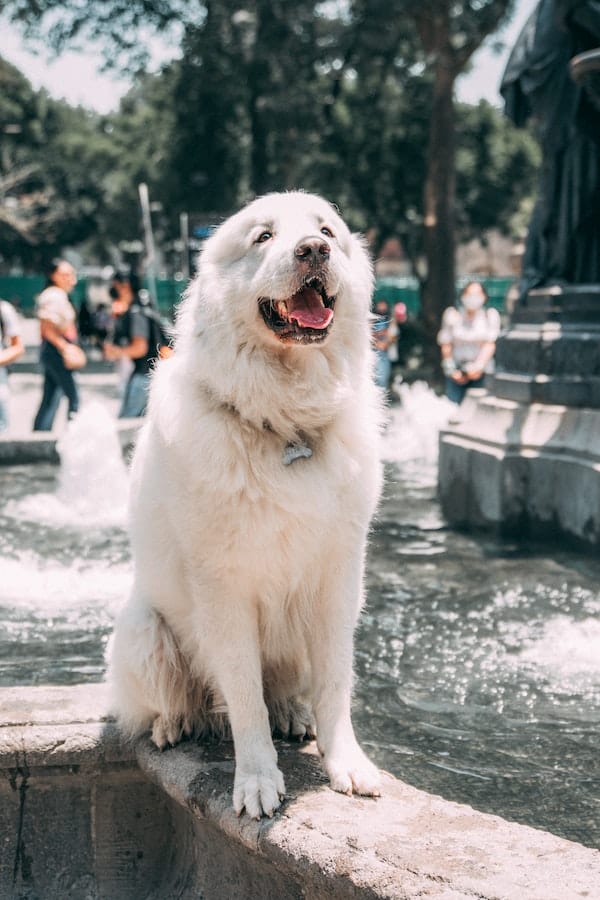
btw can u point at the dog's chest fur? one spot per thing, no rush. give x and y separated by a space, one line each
250 516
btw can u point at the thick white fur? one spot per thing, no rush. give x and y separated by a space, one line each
249 573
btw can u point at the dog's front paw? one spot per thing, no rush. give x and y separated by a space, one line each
353 773
259 793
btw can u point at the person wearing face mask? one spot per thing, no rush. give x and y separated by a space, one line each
467 340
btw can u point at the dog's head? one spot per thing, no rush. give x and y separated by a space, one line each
286 268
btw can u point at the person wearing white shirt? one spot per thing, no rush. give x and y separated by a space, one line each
11 348
59 342
467 340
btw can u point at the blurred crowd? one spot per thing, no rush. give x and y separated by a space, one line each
127 330
467 341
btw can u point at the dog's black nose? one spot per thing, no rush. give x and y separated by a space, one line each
312 249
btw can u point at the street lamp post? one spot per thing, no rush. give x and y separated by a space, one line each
184 230
149 242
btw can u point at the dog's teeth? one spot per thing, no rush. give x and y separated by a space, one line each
282 309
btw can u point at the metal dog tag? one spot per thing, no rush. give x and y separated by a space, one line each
292 452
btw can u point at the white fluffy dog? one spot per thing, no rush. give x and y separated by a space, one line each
253 484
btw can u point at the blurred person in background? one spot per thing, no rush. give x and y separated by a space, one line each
400 313
60 353
102 323
467 340
384 333
85 321
11 348
130 344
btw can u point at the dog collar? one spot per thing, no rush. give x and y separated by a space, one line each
293 450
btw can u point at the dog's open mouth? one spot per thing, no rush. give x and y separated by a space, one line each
305 317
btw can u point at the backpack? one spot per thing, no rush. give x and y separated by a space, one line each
161 337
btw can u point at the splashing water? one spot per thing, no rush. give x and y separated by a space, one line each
411 438
567 652
93 485
64 555
93 478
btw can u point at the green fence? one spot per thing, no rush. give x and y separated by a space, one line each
396 289
23 290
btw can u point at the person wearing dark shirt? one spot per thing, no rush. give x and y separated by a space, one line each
131 340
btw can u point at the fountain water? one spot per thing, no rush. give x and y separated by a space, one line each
64 556
478 660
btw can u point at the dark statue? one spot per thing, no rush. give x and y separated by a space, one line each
563 243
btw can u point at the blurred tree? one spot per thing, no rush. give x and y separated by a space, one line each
373 117
48 194
136 144
353 99
208 152
449 34
496 167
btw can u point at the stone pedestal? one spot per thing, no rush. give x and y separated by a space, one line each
524 455
551 352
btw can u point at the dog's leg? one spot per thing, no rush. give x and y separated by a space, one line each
331 648
286 690
292 717
232 657
150 679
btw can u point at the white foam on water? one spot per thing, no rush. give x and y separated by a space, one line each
31 583
411 438
566 648
93 483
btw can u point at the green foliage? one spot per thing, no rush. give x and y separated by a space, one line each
496 166
50 154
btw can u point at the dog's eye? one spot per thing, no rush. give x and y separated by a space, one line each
327 231
265 236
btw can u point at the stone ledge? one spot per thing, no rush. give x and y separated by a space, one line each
40 447
519 468
406 844
545 428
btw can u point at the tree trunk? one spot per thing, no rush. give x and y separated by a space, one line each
438 199
259 79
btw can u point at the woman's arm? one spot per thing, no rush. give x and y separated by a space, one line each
446 351
50 332
13 351
135 350
385 338
476 368
449 367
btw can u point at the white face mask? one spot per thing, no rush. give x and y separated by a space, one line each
473 302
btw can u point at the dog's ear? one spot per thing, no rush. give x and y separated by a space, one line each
227 243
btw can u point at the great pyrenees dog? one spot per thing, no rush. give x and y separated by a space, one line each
254 481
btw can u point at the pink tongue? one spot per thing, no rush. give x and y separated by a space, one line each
306 308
